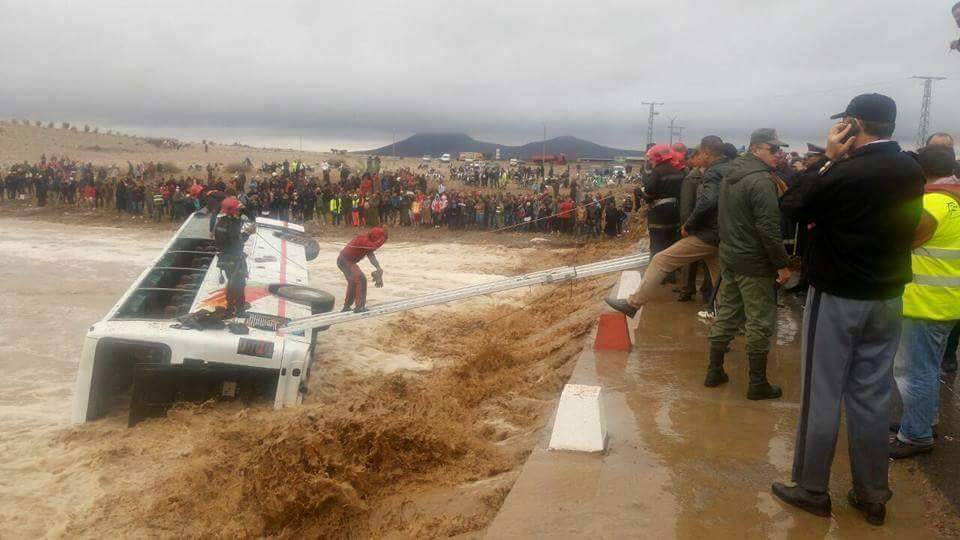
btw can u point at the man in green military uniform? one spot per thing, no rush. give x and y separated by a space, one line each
752 257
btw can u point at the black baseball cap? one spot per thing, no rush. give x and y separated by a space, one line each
870 107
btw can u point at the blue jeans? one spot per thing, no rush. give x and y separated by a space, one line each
916 370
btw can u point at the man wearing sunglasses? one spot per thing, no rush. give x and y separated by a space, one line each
752 258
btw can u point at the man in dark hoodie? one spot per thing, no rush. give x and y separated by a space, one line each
699 232
752 258
862 202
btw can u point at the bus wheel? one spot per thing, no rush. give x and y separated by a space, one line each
311 248
319 301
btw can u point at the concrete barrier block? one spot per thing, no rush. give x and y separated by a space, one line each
580 425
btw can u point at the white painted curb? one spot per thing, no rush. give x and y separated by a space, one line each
628 283
580 424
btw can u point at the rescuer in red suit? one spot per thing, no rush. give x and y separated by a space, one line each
361 246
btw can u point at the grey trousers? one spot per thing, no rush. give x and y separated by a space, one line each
847 356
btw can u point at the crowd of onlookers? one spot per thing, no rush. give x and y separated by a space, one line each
523 199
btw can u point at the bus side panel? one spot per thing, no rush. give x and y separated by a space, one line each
292 371
81 393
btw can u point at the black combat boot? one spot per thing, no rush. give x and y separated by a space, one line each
715 374
759 387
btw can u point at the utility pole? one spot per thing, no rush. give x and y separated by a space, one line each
653 105
543 156
675 130
925 108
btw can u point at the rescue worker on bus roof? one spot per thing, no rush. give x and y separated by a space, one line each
361 246
230 234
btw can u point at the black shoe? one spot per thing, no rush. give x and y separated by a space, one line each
817 504
901 450
346 309
622 306
685 297
875 513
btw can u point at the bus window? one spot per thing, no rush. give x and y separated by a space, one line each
152 303
113 369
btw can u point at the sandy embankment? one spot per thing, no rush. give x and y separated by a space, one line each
416 425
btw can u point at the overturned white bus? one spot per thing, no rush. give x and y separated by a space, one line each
139 352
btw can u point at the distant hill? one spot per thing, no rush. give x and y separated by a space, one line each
434 144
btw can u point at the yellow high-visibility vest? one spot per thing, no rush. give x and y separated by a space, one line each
934 293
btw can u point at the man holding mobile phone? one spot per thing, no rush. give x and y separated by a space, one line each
861 203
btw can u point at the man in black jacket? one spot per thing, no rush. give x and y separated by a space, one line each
862 202
661 190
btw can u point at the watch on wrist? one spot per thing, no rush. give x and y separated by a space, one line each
826 167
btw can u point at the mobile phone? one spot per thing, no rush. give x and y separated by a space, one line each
854 130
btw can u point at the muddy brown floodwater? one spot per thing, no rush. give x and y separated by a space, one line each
415 425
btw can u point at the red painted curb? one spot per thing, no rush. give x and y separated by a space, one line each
613 334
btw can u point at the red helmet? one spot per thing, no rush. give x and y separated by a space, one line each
230 206
660 153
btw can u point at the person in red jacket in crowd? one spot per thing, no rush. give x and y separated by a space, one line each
361 246
566 215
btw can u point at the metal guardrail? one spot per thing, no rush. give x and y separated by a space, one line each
553 275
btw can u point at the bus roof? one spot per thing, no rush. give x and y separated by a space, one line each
185 278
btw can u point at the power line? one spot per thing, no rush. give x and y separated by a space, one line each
653 105
761 98
925 107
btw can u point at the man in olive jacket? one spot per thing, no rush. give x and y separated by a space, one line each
752 257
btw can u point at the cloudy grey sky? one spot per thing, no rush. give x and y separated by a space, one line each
354 73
